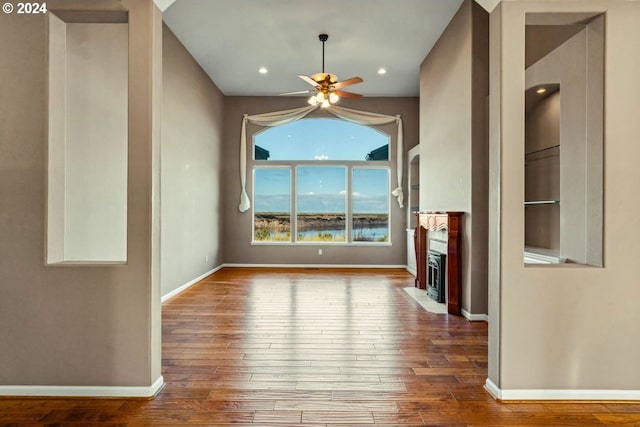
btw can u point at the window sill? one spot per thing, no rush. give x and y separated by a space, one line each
377 244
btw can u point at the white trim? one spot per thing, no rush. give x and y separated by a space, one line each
544 394
474 317
319 243
533 255
163 4
234 265
187 285
81 391
493 389
411 270
488 5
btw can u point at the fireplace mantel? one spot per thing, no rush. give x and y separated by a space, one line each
435 221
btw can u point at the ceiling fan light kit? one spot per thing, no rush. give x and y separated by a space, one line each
327 88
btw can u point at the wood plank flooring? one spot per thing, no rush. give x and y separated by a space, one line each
288 347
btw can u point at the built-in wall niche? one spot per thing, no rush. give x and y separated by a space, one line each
413 202
542 168
413 199
87 137
563 141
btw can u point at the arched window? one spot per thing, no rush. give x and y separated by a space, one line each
321 180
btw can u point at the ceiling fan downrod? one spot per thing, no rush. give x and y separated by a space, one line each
323 38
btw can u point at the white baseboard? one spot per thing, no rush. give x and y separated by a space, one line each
187 285
493 389
234 265
474 317
81 391
523 394
411 270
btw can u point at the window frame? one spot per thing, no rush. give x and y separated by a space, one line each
349 166
253 205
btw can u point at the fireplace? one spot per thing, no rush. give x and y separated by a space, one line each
450 245
436 275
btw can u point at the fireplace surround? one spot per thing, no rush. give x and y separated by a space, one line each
426 237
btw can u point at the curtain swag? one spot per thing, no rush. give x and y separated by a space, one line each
278 118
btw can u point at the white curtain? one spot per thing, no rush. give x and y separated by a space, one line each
277 118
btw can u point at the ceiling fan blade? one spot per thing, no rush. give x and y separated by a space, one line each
344 94
309 80
348 82
297 93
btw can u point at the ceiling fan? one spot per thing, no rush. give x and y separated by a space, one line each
327 88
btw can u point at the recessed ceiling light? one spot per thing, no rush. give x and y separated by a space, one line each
541 90
382 71
263 70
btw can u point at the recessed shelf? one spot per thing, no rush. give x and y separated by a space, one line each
542 150
542 202
534 255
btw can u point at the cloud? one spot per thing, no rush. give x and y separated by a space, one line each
334 203
273 203
377 204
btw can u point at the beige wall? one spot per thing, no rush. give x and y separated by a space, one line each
495 202
237 237
192 130
542 39
453 140
76 326
478 295
573 327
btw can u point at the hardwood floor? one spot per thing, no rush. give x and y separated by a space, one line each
316 348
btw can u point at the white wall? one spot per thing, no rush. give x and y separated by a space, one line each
96 143
87 191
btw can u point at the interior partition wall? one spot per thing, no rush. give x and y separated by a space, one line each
562 331
80 328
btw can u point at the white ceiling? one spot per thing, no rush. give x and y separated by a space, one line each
232 39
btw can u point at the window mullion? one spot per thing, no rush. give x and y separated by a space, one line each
349 213
294 203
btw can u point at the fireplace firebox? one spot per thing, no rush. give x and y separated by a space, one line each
436 275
